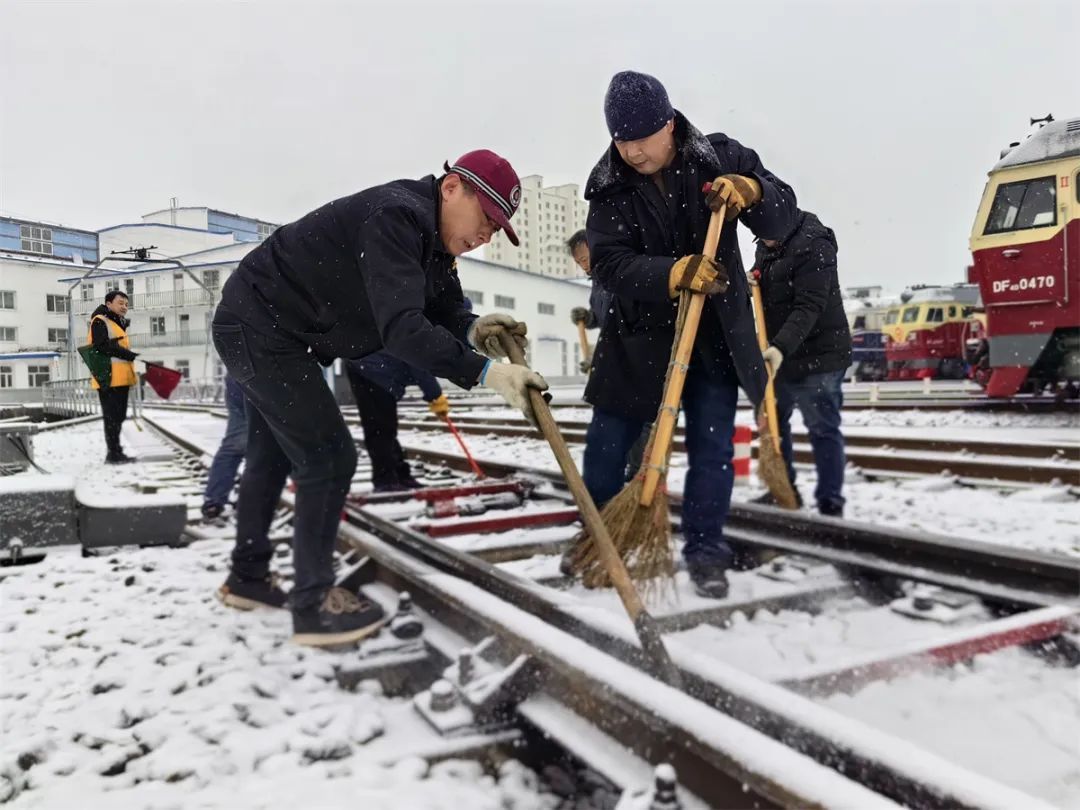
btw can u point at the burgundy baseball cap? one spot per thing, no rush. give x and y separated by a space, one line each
496 185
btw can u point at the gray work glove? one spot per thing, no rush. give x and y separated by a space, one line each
579 315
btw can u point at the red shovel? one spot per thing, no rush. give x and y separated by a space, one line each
162 379
472 463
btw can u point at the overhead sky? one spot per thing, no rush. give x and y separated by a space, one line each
884 116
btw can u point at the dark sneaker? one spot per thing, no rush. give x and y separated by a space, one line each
118 458
711 583
248 594
343 617
768 500
212 511
831 510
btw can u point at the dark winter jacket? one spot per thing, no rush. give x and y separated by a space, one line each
804 313
99 334
600 303
360 274
635 235
394 375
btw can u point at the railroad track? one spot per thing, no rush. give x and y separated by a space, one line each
975 462
735 740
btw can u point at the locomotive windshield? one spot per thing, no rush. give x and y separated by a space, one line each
1022 205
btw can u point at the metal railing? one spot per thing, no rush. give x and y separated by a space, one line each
165 299
182 338
71 398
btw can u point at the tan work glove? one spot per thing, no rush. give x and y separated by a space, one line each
773 358
484 334
697 273
513 384
440 406
738 192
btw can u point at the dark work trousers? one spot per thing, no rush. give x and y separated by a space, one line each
294 426
379 419
114 402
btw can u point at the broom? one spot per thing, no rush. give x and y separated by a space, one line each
656 655
637 517
771 467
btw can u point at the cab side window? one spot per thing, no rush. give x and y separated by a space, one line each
1022 205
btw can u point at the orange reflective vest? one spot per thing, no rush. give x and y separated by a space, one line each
123 371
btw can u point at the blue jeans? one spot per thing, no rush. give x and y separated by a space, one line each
230 452
819 398
710 420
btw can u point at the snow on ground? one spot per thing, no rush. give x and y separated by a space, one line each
127 685
1007 714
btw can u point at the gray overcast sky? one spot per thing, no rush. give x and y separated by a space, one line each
884 116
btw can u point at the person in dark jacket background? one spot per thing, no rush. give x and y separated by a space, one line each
370 271
108 335
378 383
809 347
646 227
595 314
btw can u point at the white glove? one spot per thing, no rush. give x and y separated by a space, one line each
773 358
484 334
513 383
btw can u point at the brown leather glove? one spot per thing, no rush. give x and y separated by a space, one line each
697 273
738 192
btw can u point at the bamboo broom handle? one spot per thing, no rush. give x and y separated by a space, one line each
669 410
583 338
763 344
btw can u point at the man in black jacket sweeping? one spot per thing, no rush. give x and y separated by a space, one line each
646 227
371 271
809 348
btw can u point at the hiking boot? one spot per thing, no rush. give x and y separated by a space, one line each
710 582
768 500
248 594
212 511
343 617
118 458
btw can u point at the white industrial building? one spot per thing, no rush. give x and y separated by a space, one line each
546 218
172 297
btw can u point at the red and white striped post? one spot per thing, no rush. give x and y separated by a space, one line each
741 460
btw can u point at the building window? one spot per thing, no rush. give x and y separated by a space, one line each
39 375
7 334
56 303
475 296
86 292
157 325
7 299
7 377
110 286
545 309
504 301
265 229
36 240
153 284
211 278
184 367
129 287
58 336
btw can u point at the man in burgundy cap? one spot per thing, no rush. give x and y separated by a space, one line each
371 271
